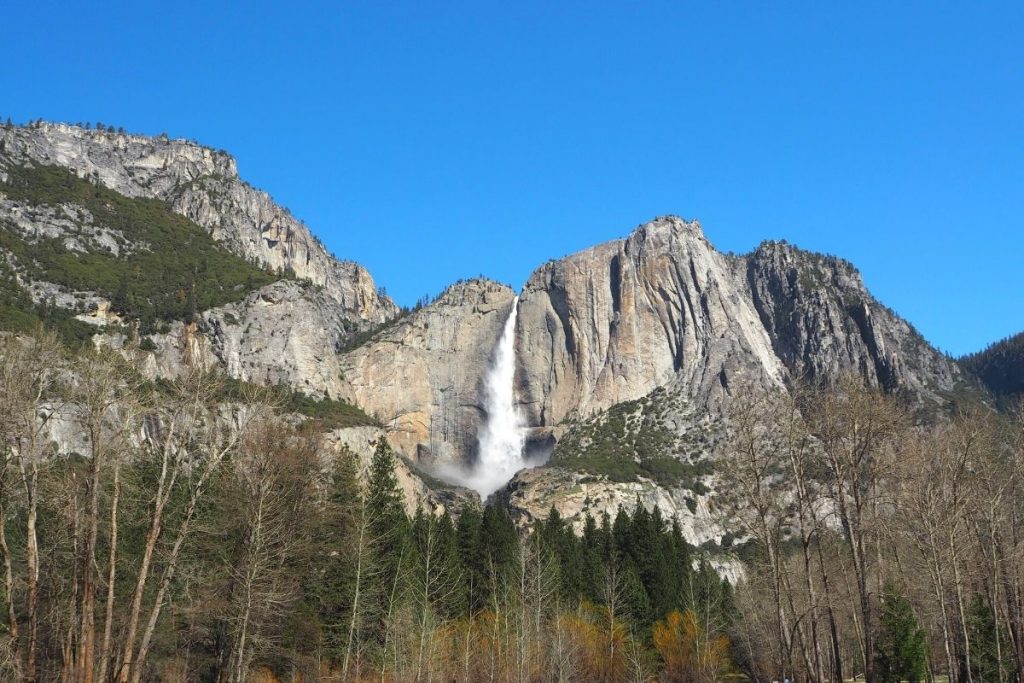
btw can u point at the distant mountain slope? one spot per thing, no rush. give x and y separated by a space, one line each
158 242
630 353
203 185
71 244
1000 366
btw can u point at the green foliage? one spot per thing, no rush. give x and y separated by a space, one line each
639 558
389 525
473 558
438 572
630 440
990 644
365 336
1000 367
329 413
901 641
330 584
499 544
18 313
171 268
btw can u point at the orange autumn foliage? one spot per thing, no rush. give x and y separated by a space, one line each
600 643
690 655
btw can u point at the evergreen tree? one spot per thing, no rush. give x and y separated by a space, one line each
499 543
389 524
620 531
990 645
634 597
331 583
391 534
471 555
452 604
592 554
901 641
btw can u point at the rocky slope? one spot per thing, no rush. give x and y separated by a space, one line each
288 332
612 323
203 185
663 307
285 333
823 323
628 353
422 375
1000 367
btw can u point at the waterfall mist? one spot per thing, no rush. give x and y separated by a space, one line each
501 437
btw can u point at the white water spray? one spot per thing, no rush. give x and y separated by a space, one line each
501 438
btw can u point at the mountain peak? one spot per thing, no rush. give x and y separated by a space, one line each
670 224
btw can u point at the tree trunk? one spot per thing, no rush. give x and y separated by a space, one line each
108 621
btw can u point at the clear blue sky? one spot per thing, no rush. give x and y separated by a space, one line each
432 141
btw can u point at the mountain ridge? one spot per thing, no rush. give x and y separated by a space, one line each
654 330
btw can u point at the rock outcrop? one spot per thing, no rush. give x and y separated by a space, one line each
286 333
422 375
203 185
823 323
532 493
638 341
664 308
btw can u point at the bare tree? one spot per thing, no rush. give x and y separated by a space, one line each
265 503
189 434
101 403
30 373
856 425
755 494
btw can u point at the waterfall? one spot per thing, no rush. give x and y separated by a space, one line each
501 437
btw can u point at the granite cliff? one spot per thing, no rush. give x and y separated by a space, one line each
628 353
203 185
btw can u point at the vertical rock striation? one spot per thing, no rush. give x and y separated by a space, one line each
423 375
664 308
612 323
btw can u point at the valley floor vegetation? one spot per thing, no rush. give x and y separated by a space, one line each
203 530
884 540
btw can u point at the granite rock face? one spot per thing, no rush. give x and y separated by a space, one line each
285 333
612 323
202 184
663 307
422 375
662 319
823 323
532 492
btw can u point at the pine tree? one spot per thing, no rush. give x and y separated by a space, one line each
499 542
989 645
389 524
392 553
901 641
471 556
453 603
331 583
592 551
